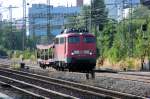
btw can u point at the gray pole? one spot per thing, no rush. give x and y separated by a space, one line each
130 30
24 25
90 30
11 27
48 19
124 21
10 16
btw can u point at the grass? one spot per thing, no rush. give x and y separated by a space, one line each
128 64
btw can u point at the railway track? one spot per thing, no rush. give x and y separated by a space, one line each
25 93
124 76
31 89
69 89
134 74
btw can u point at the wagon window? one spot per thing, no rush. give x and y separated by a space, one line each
89 40
74 39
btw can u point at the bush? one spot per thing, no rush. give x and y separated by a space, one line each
21 54
113 55
130 64
27 54
10 53
17 54
33 57
3 52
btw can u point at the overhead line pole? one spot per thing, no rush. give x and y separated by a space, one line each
90 29
11 27
48 20
10 19
10 15
123 30
130 30
24 25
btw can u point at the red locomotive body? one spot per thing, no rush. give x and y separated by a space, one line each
75 51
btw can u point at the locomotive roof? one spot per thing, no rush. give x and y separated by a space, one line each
74 34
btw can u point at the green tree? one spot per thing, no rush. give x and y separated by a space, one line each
106 38
98 14
80 21
11 39
73 21
85 17
141 12
98 22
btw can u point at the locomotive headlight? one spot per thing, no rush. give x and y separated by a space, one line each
75 52
91 53
72 53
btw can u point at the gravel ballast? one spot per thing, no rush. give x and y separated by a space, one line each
121 85
12 93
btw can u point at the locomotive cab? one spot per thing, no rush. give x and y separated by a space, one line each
81 52
75 50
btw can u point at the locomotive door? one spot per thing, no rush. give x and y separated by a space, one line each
62 46
59 49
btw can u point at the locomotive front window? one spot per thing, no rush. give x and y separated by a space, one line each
89 39
74 39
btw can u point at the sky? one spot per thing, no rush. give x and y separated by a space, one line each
17 12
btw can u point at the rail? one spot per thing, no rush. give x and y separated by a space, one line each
86 90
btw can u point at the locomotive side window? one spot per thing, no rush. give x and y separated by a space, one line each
74 39
62 40
56 41
88 39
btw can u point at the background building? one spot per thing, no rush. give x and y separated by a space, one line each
42 16
118 9
79 3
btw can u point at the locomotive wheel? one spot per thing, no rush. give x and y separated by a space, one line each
58 68
41 65
44 67
70 69
63 69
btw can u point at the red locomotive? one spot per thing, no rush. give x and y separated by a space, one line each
74 50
